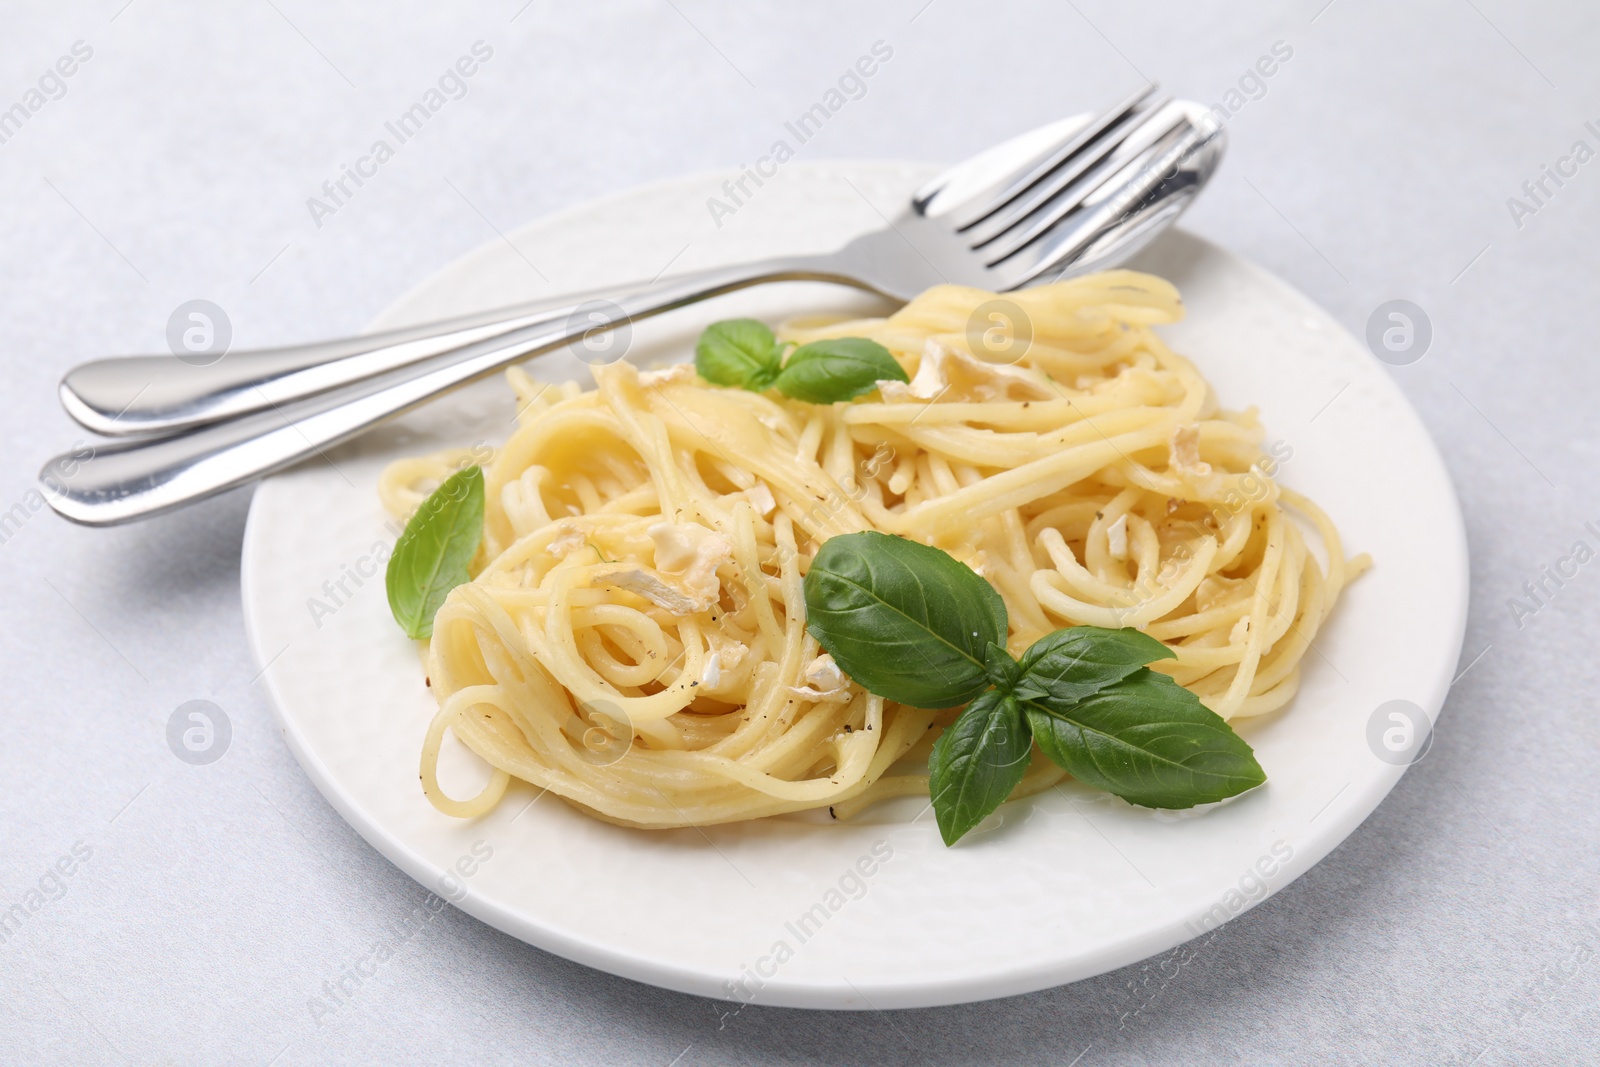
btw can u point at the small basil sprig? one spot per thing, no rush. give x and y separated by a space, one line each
913 625
432 554
743 353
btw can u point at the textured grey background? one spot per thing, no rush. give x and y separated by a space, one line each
1459 925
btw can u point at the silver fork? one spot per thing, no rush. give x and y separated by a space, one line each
1065 199
160 394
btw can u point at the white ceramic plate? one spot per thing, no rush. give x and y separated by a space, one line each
876 912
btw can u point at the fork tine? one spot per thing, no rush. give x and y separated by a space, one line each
929 200
1081 177
1074 154
1197 141
1123 189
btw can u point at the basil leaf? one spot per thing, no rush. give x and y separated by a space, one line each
738 352
823 372
904 620
1148 740
432 555
1079 661
977 762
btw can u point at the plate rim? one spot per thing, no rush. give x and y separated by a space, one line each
800 993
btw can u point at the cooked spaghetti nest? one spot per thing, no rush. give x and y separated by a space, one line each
634 637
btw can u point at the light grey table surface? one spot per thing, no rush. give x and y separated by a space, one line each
1459 925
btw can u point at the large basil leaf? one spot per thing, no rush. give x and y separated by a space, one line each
1148 740
906 621
432 554
977 762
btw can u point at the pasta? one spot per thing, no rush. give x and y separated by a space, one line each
634 640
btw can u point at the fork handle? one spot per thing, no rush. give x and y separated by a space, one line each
129 395
121 482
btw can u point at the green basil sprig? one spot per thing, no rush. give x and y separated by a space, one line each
432 554
743 353
914 625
